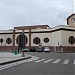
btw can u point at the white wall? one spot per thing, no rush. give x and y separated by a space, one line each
4 37
41 36
65 36
56 38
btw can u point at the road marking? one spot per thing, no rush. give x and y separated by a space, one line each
56 61
66 61
39 60
48 61
74 62
17 63
32 59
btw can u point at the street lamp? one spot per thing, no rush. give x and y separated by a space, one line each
23 43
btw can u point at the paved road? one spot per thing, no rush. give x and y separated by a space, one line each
42 64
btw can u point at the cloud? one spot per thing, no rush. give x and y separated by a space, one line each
33 12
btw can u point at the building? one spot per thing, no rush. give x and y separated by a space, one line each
59 39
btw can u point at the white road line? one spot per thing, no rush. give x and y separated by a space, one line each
56 61
74 62
6 66
48 61
17 63
66 61
39 60
32 59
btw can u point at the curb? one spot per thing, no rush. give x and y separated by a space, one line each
14 60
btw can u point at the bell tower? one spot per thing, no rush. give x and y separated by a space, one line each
71 20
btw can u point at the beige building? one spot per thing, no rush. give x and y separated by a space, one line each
59 39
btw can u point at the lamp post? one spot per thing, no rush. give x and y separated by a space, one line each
23 42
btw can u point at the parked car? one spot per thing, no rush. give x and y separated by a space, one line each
39 50
46 49
26 50
32 50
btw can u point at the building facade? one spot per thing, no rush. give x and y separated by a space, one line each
59 39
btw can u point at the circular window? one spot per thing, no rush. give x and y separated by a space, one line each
8 40
1 40
46 40
36 40
18 40
71 40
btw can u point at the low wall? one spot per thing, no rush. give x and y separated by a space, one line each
52 48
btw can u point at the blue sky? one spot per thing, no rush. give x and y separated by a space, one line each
34 12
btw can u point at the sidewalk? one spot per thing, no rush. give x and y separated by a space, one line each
6 57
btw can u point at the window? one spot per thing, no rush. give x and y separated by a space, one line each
36 40
71 40
46 40
8 40
25 37
1 40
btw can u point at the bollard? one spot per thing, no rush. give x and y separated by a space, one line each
23 53
15 52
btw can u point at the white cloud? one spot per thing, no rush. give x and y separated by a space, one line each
33 12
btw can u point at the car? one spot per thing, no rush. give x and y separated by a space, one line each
32 50
39 50
26 50
46 49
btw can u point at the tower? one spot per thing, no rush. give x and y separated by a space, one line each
71 20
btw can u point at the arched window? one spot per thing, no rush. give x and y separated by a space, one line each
46 40
36 40
8 40
71 40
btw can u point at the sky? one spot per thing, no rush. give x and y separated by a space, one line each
34 12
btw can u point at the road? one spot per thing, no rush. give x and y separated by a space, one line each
42 63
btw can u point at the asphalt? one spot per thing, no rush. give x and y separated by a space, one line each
7 57
31 67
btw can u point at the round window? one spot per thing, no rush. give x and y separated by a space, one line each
46 40
71 40
36 40
8 40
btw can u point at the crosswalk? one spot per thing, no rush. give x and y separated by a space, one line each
57 61
66 61
74 62
53 61
47 61
40 60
